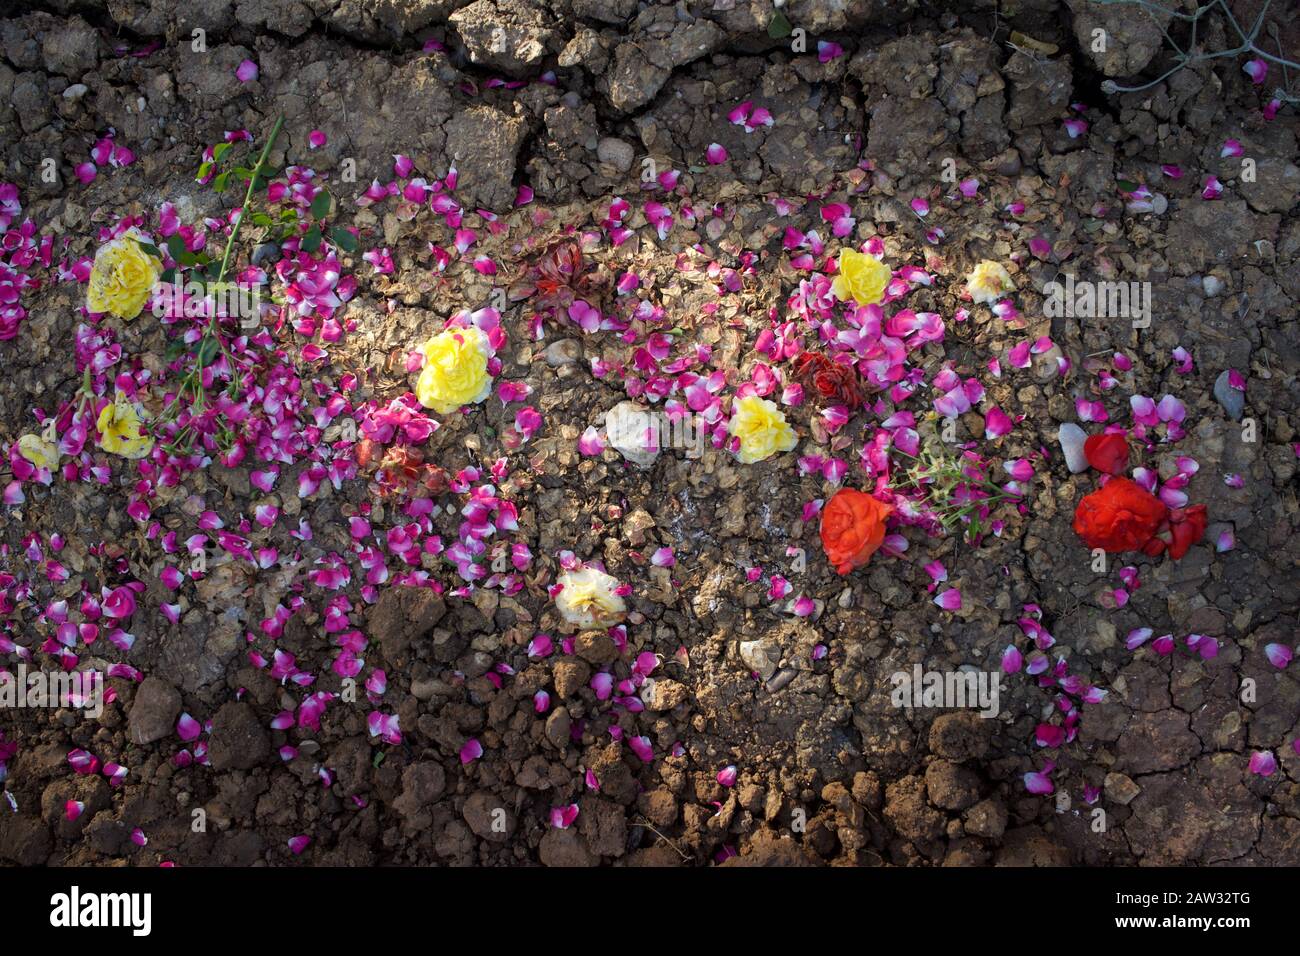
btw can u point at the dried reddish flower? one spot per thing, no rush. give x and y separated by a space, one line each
1108 453
402 470
852 528
561 275
828 378
1119 516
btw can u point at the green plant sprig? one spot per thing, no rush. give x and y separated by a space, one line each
211 344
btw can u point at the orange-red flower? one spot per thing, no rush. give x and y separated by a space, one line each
853 528
1108 453
1119 516
1184 527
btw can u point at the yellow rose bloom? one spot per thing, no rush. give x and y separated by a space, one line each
988 282
761 428
41 453
861 277
587 598
122 277
121 429
455 370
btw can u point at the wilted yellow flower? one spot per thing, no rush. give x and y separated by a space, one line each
122 277
41 453
587 598
121 429
861 277
987 283
455 370
761 428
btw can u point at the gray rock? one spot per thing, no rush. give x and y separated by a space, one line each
616 153
1071 438
761 656
1120 788
987 819
1275 186
563 352
505 35
627 425
72 48
1232 400
483 142
239 740
645 61
1045 366
1040 89
386 20
607 11
1133 35
489 817
782 678
153 715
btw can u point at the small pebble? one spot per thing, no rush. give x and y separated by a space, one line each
1071 438
1232 400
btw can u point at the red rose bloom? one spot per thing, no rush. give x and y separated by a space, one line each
1184 527
830 379
1119 516
1108 453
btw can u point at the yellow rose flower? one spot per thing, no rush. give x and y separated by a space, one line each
121 430
455 370
761 428
587 598
861 277
122 277
988 282
41 453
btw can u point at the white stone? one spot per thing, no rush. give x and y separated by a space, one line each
633 432
1071 438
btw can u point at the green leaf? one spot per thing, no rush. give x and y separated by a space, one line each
176 246
168 277
204 170
206 351
219 184
220 150
343 239
175 349
320 206
311 241
1127 186
263 220
778 28
149 248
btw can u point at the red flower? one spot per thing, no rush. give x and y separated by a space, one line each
1119 516
853 527
1184 527
1108 453
830 379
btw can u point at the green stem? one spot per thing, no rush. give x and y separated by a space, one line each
191 381
248 198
